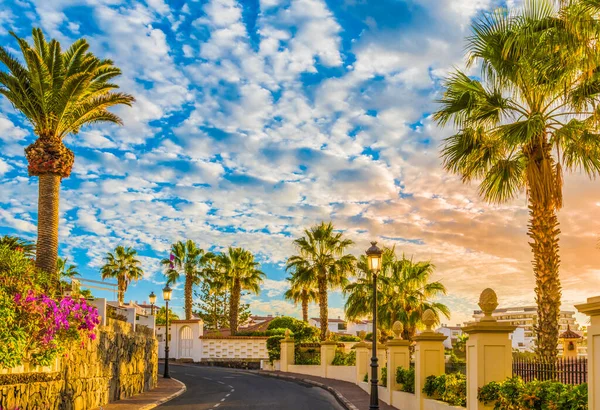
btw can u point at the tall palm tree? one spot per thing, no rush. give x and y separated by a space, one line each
15 243
58 92
301 292
532 116
236 270
65 271
122 265
405 292
189 260
321 259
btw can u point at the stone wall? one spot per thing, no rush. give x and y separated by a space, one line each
118 364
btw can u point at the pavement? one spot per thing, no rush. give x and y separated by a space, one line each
352 396
216 388
166 389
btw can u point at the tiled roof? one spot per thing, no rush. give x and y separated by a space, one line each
258 327
569 334
329 320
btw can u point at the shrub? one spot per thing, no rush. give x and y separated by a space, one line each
307 356
406 379
514 393
36 325
449 388
366 378
348 338
274 347
303 332
344 359
383 381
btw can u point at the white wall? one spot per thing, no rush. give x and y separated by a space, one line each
239 347
345 373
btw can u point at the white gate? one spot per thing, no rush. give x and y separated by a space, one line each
185 342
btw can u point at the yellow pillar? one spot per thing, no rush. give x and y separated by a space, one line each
381 359
592 309
327 355
362 360
489 350
429 355
398 355
287 353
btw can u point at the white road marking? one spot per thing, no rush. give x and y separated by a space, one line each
217 405
189 374
223 399
207 378
228 394
218 381
232 390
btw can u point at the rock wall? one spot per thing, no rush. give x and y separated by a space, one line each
118 364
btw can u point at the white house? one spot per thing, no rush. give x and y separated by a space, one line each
452 333
333 325
354 328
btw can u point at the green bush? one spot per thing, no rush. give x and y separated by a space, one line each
344 359
383 381
348 338
406 379
449 388
307 356
271 332
514 393
366 378
303 332
274 347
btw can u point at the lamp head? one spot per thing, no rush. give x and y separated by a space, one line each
152 298
167 291
374 257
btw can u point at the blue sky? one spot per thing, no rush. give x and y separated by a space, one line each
257 118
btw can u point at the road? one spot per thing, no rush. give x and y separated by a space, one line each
215 388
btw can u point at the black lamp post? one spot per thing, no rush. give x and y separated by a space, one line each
167 296
374 263
152 299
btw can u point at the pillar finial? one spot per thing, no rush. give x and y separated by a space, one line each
397 328
428 320
488 302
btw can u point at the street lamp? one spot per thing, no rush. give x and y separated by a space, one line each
167 296
374 264
152 299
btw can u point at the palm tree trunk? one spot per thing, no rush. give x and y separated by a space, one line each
234 306
188 297
322 281
305 305
121 290
47 243
544 231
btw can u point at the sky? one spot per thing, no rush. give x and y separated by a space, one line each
256 119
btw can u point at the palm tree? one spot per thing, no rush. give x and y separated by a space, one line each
300 292
58 92
532 116
122 265
321 259
189 260
405 292
17 244
65 271
236 270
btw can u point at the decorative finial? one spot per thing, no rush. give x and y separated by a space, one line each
287 333
397 328
488 302
362 335
328 336
428 320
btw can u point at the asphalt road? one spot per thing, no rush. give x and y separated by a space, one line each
215 388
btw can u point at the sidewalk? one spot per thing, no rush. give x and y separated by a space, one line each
350 393
166 390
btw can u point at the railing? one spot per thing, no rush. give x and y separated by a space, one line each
456 368
564 370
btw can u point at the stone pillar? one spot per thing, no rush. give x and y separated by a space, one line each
398 355
429 355
287 352
489 350
592 309
362 360
327 355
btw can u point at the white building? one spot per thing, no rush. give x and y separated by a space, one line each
333 325
452 333
354 328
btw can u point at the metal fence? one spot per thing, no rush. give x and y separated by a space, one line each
564 370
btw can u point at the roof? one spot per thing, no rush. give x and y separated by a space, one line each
224 332
329 320
261 317
569 334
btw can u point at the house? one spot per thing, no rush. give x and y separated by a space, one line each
354 328
333 325
452 333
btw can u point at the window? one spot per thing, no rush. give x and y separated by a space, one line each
159 338
342 326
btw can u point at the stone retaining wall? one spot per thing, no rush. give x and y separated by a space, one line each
118 364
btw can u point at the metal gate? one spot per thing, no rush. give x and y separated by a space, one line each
185 343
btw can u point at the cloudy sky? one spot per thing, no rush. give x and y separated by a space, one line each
257 118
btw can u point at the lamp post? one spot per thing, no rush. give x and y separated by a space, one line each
152 299
374 264
167 296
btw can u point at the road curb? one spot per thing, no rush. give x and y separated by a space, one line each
338 396
166 399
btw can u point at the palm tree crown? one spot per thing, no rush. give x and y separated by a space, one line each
58 92
532 116
122 265
17 244
405 292
236 270
321 259
189 260
301 292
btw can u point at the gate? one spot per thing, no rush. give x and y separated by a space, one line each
185 342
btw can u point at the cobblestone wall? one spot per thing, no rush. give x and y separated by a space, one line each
118 364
